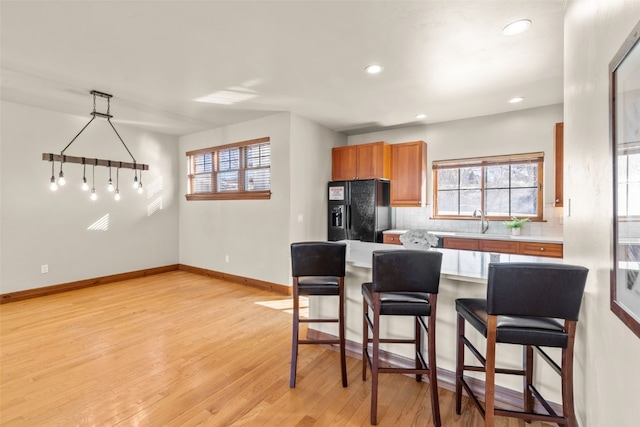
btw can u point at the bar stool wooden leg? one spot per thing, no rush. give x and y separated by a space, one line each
375 361
567 376
365 338
433 371
490 369
459 363
527 379
418 344
294 339
343 356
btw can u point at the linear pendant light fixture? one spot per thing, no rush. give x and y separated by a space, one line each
84 161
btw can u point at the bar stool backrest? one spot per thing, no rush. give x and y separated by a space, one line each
406 271
318 259
535 289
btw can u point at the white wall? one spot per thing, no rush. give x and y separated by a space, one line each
607 353
44 227
253 233
523 131
256 234
311 146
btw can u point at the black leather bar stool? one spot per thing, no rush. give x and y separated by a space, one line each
405 283
318 268
529 304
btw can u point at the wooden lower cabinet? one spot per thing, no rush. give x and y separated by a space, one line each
501 246
464 244
541 249
391 239
553 250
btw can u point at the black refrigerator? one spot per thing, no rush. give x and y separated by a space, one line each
359 210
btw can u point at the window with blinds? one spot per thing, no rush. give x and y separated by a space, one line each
502 186
232 172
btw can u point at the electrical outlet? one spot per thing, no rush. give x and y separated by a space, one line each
44 268
226 258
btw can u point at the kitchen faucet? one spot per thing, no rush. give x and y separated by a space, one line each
478 213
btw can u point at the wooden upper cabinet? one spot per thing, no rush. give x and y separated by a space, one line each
364 161
409 174
558 146
344 163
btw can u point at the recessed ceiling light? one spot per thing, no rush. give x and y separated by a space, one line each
516 27
421 116
516 100
373 69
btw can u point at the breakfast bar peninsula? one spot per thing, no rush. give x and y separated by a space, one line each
463 275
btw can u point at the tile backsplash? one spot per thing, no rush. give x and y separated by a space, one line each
420 218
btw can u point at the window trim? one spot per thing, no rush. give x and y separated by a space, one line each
225 195
510 159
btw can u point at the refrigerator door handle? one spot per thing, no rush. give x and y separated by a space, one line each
348 222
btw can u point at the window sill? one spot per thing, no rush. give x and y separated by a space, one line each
248 195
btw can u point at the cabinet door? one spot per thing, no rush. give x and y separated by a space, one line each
464 244
559 163
344 162
541 249
373 160
500 246
408 174
391 239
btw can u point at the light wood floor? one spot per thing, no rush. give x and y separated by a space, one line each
179 349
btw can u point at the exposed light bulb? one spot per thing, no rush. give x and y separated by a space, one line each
135 181
110 185
94 196
117 196
61 180
140 191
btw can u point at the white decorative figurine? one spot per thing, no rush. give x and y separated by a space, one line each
418 239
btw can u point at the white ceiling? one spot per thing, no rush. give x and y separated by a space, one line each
445 58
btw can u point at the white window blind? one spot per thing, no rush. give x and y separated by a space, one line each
236 171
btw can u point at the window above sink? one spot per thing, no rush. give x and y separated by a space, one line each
502 186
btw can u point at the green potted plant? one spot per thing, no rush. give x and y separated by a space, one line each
515 224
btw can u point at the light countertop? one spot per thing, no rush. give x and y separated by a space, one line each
470 266
487 236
